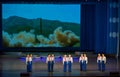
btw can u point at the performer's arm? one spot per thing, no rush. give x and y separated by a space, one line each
71 60
86 60
97 60
63 60
46 60
54 59
26 60
79 59
105 60
100 59
30 60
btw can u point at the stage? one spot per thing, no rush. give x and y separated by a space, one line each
12 66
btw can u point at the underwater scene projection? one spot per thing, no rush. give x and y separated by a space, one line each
41 25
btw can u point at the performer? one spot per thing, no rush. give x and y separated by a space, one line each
65 63
81 62
28 63
52 62
85 61
70 61
99 62
48 62
103 59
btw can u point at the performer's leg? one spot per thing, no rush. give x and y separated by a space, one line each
52 64
103 66
99 66
53 68
69 67
27 67
85 65
80 66
65 66
48 66
31 66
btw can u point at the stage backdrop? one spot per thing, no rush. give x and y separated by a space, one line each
99 30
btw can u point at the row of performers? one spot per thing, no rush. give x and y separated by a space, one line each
67 62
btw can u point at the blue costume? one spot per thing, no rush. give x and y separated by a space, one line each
70 61
52 64
84 65
103 63
69 66
103 66
81 62
49 64
99 63
29 64
65 64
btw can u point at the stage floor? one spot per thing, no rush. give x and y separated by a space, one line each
14 66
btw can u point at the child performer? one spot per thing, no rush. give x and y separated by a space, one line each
52 62
103 59
70 61
81 62
99 62
65 63
48 62
85 61
28 63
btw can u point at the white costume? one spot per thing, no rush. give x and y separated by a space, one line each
48 59
85 59
70 59
99 59
65 59
52 59
103 59
28 59
81 59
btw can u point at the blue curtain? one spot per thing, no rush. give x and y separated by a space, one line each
112 26
87 27
99 27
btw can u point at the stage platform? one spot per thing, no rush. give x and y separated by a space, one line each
12 66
